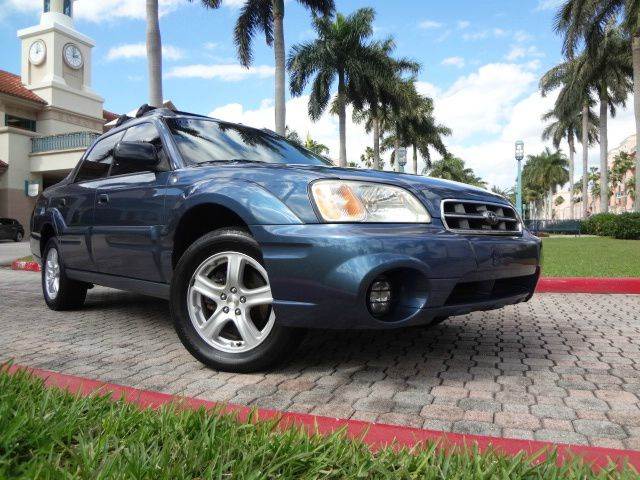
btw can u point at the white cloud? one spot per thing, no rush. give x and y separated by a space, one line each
482 101
225 72
211 45
454 62
482 34
462 24
522 36
549 4
99 11
519 51
139 50
429 24
233 3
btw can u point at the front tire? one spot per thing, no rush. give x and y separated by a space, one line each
18 237
60 292
221 305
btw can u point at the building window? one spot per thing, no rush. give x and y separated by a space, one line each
67 7
18 122
47 6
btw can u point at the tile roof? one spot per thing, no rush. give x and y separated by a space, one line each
11 84
109 116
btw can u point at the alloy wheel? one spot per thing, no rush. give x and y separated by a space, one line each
52 274
230 302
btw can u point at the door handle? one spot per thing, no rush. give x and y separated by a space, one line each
103 199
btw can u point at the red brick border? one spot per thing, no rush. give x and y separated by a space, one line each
588 285
22 265
375 435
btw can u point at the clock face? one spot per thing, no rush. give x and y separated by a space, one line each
72 56
37 52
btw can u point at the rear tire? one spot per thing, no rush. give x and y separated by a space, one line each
221 305
18 237
60 292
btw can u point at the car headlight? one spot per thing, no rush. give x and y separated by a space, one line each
350 201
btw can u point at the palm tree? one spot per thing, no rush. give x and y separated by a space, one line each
268 16
575 94
545 172
368 158
316 147
154 49
453 168
568 125
386 98
585 21
344 52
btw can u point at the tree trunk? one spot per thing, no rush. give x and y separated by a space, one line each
279 51
604 150
397 147
636 104
342 117
414 165
585 159
571 172
550 204
154 54
376 144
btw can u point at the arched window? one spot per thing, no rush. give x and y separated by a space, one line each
47 5
67 8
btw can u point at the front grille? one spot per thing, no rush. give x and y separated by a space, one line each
473 217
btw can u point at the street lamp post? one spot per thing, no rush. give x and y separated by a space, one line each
519 157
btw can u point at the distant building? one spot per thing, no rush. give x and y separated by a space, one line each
48 114
619 202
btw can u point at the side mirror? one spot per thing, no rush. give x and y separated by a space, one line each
140 154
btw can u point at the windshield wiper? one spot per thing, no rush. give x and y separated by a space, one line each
230 160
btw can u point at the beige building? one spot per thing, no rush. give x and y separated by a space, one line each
48 113
619 202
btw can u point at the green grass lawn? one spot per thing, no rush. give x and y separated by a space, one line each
47 433
590 257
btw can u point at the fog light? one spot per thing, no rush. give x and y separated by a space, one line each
380 296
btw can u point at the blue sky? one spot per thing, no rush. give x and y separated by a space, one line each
481 63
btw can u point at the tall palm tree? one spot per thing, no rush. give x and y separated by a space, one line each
268 16
154 48
568 125
585 21
545 172
386 98
576 93
343 52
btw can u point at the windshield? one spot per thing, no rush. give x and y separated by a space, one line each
202 140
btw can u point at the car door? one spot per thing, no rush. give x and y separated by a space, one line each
74 203
129 213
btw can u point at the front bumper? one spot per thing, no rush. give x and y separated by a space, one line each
320 274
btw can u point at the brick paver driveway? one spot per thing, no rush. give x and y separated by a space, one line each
563 368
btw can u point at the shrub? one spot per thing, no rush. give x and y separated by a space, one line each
599 224
624 226
627 226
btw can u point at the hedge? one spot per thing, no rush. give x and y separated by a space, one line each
624 226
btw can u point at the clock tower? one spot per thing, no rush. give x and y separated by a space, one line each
56 66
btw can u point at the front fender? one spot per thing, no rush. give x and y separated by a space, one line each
251 202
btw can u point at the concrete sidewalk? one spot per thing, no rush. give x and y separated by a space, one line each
561 368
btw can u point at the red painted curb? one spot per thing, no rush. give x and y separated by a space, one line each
375 435
28 266
588 285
